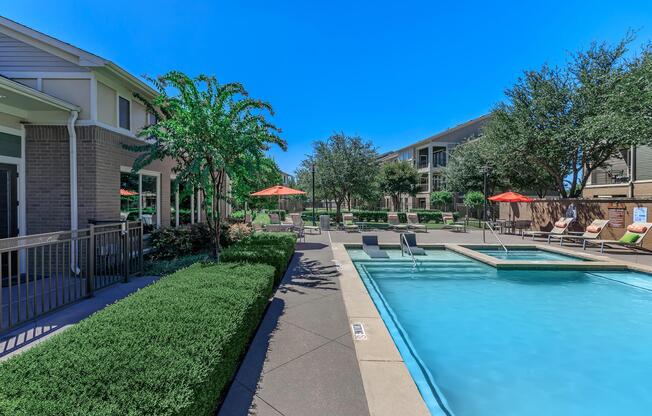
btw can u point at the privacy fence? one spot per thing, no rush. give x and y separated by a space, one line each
43 272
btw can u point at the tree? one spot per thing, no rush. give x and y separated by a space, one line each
441 199
212 131
569 121
464 171
474 200
343 166
398 178
260 175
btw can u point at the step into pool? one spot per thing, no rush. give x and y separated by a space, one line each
480 341
520 254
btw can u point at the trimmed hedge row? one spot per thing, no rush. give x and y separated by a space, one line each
379 216
275 249
169 349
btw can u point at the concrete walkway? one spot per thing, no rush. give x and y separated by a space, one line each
301 361
27 335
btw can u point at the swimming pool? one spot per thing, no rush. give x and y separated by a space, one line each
482 341
520 254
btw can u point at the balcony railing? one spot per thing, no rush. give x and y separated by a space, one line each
609 177
43 272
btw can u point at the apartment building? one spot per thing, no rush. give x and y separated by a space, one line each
629 176
65 116
430 157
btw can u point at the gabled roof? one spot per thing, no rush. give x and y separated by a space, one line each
70 52
446 132
15 90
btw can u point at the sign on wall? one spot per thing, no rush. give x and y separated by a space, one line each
640 214
616 217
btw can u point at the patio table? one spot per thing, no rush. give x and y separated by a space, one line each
279 228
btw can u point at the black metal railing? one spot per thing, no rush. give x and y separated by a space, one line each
43 272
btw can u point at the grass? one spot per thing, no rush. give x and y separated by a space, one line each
262 218
169 349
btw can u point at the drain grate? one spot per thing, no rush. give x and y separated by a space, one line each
358 331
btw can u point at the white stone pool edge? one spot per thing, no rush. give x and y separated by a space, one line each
388 385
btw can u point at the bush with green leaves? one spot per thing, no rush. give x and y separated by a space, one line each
170 243
169 349
281 213
275 249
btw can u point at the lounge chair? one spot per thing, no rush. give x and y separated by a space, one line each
410 239
592 232
349 225
560 227
394 222
633 238
413 222
298 224
449 222
370 246
274 218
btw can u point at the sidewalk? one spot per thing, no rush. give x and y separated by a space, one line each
301 361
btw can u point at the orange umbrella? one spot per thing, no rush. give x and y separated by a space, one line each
124 192
510 197
278 190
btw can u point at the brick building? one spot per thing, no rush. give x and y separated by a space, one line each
65 116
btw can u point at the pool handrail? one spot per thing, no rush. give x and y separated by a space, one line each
487 224
414 261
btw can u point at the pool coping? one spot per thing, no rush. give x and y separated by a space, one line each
389 386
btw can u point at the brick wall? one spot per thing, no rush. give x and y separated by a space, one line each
100 154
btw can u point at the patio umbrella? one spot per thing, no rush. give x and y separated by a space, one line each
510 197
279 191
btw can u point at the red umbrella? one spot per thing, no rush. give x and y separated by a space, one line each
510 197
125 192
278 190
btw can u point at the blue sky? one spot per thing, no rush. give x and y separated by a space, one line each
392 72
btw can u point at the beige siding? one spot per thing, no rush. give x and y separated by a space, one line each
30 82
106 105
74 91
19 56
138 116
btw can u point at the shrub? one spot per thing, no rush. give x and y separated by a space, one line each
238 232
169 349
275 249
281 213
165 267
170 243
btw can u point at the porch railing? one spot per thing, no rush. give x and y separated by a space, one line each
43 272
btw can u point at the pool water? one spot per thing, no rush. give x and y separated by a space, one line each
527 255
482 341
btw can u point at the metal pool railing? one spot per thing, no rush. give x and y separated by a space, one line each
488 225
43 272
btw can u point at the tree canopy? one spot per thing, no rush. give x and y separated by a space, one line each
398 178
344 169
212 131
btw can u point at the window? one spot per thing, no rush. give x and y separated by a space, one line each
406 155
151 119
421 202
437 182
139 198
438 156
643 162
423 158
423 183
124 113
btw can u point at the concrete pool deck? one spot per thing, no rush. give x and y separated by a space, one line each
304 360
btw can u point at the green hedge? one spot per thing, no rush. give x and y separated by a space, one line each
170 243
169 349
379 216
275 249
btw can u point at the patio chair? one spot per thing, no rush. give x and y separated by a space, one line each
274 218
413 222
560 227
298 223
410 239
632 240
592 232
448 219
394 222
349 225
371 247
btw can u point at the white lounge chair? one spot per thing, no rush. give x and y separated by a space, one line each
632 240
413 222
394 222
349 225
560 227
592 232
